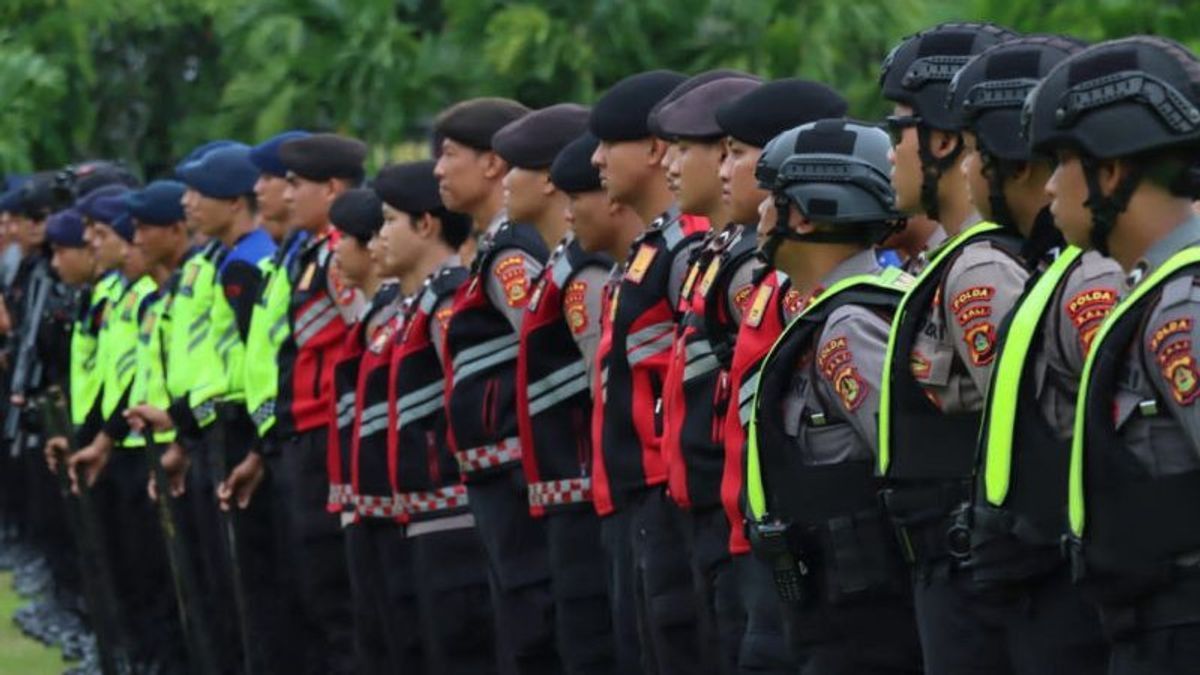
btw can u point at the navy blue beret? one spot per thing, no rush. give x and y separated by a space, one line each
65 229
265 155
358 213
321 157
534 140
475 121
572 170
159 203
123 226
223 173
775 107
200 151
103 204
621 113
10 198
410 187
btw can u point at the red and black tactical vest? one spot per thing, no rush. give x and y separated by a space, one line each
424 475
554 398
631 363
772 302
481 363
306 356
698 385
366 459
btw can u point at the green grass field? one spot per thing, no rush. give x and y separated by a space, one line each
18 654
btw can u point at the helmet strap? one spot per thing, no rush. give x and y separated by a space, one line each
1106 208
997 174
932 169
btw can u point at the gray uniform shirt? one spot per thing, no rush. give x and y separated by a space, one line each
833 401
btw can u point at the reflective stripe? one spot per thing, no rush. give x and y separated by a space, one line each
700 360
263 413
746 398
419 404
374 419
197 340
225 342
316 326
432 501
317 308
280 324
556 378
489 456
200 321
470 354
556 396
644 335
507 354
560 492
652 348
461 521
345 410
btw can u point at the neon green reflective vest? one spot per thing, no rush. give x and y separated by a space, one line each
891 279
1004 393
119 341
191 321
86 373
269 327
150 377
1081 444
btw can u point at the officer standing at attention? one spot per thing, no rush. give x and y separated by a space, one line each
320 310
481 378
749 122
1123 185
641 529
554 402
811 484
418 246
1038 621
942 344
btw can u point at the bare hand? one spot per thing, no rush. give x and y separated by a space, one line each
89 462
142 416
175 463
54 447
242 482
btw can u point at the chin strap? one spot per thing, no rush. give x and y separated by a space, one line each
996 173
932 169
1106 208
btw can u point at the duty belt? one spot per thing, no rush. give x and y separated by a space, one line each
378 507
449 498
560 492
490 456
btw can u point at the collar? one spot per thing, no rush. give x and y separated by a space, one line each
863 262
1184 235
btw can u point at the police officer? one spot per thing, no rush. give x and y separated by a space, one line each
1039 622
481 352
643 536
811 485
1123 186
695 392
942 344
320 310
418 244
553 391
749 122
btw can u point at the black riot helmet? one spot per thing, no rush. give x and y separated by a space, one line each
917 73
836 173
1120 99
986 98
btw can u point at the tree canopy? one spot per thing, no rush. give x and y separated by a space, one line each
146 80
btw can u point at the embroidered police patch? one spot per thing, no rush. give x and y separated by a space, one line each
850 387
511 273
575 306
981 343
1087 310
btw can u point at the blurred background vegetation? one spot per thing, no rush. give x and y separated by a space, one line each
146 80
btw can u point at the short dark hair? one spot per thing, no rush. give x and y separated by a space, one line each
456 227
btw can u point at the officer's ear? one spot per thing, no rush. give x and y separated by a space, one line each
657 151
548 187
494 167
944 143
427 226
799 223
1110 173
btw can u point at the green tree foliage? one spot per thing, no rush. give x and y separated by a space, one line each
145 80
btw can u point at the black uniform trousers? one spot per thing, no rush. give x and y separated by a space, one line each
722 609
877 637
316 553
650 573
457 630
583 620
386 638
765 645
134 544
518 573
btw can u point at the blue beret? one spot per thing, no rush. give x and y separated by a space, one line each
103 204
10 197
159 203
224 173
65 229
123 226
200 151
265 155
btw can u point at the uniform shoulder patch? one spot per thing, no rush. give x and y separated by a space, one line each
1087 310
971 295
742 296
793 302
850 387
510 271
832 355
442 316
641 263
981 343
758 308
920 365
575 306
1180 372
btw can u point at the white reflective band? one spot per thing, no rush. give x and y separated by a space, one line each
556 378
197 340
461 521
700 360
374 420
651 349
746 397
316 326
317 308
503 356
560 492
200 321
483 349
408 404
489 456
556 396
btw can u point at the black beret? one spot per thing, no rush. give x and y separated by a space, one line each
533 141
621 113
652 120
694 115
410 187
572 170
99 173
322 157
775 107
358 213
475 121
